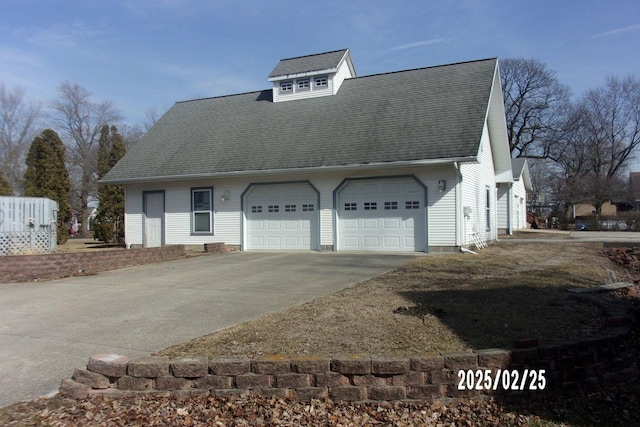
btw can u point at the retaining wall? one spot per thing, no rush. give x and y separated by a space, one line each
588 364
24 268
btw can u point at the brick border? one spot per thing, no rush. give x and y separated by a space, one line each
588 364
25 268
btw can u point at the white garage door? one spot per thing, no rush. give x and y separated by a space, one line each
282 216
382 214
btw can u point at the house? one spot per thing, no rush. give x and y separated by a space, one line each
512 198
585 209
326 160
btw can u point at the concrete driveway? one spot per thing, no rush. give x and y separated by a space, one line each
49 328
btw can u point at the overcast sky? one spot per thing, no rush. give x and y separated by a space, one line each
143 54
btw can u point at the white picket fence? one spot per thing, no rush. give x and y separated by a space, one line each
27 225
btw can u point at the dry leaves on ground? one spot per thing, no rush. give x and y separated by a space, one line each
612 407
260 411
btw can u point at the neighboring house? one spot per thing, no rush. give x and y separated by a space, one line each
585 209
512 198
325 160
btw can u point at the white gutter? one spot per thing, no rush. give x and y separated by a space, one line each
319 169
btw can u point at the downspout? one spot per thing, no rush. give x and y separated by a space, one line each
458 210
510 210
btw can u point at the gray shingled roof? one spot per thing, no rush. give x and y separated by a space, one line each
429 113
307 64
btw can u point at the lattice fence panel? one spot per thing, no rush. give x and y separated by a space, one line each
40 241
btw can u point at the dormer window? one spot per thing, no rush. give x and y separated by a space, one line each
311 76
303 85
286 87
320 82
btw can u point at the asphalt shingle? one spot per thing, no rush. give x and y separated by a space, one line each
309 63
428 113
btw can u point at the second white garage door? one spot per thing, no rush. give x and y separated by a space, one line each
282 216
382 214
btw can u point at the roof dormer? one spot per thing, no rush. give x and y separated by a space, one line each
311 76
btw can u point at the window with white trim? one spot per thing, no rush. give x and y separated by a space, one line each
370 206
286 87
390 206
321 82
256 209
303 85
350 206
309 207
202 210
289 208
273 208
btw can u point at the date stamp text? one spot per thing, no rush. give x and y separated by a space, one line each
508 379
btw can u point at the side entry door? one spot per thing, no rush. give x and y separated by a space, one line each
153 219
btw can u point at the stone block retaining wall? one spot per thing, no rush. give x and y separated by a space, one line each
577 365
23 268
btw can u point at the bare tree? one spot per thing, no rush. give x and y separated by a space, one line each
19 123
610 129
535 106
597 151
567 174
80 120
131 134
611 120
152 116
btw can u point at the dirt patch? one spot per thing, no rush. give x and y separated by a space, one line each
510 291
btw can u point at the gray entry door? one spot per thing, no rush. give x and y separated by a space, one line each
153 219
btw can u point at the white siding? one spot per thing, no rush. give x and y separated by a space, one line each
133 215
442 213
515 199
311 93
334 81
228 216
441 206
503 208
519 205
343 73
476 177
